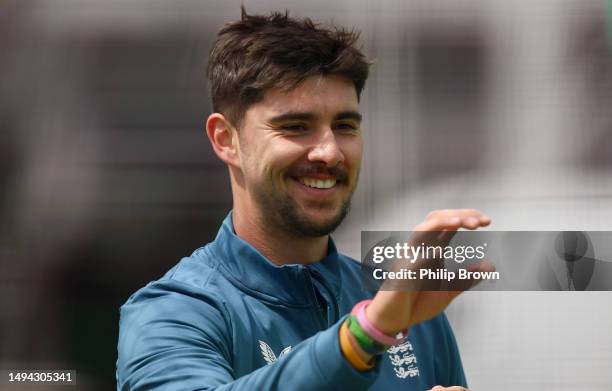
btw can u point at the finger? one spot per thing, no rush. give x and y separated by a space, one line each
455 212
453 219
472 218
457 286
440 223
463 213
471 222
481 266
452 223
484 220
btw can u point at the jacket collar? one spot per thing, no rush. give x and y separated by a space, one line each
289 284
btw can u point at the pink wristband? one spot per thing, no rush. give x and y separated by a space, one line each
377 335
358 306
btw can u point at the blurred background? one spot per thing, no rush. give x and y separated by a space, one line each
107 178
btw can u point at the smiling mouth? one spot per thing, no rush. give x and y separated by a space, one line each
316 183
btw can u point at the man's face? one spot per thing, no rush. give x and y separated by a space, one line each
300 153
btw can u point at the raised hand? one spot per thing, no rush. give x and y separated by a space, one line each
394 310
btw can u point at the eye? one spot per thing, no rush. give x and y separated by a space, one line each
347 126
294 127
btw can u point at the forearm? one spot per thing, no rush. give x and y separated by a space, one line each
317 363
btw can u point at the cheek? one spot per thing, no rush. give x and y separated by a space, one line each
276 158
353 151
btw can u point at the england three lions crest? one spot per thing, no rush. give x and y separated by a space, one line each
403 360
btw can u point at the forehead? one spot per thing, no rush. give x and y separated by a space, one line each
321 95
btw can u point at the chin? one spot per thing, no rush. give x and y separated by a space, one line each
316 224
322 220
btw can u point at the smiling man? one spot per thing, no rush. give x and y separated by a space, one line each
271 303
294 165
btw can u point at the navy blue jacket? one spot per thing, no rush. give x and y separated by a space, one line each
228 318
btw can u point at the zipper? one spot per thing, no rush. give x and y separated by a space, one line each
331 304
313 298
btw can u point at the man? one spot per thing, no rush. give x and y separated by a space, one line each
263 306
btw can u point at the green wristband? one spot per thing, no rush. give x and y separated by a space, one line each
367 343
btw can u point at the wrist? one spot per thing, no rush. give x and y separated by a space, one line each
355 356
390 312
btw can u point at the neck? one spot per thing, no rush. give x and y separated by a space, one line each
277 245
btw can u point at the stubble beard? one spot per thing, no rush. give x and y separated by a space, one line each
284 212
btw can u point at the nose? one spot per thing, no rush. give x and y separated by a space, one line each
326 149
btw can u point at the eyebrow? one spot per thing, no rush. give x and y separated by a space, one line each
349 115
307 116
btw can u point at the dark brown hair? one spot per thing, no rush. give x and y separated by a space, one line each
258 52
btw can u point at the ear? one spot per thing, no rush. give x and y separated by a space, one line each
223 138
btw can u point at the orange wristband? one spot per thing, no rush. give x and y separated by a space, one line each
349 352
365 357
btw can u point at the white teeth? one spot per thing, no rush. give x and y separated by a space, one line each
318 183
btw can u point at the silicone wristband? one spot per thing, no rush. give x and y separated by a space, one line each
365 357
365 341
358 306
349 352
372 331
